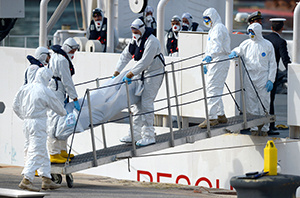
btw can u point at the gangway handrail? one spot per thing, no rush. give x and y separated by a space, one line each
169 106
108 77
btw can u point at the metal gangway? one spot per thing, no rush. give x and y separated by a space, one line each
172 138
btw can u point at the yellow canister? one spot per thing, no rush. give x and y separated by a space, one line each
270 158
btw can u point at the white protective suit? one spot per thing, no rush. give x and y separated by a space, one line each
218 47
41 54
60 68
259 58
151 64
31 104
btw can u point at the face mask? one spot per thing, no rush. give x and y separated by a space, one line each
136 37
149 18
251 35
98 25
207 22
71 56
185 26
175 28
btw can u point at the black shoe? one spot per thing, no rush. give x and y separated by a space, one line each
273 128
271 132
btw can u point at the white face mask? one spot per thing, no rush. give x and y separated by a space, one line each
175 28
149 18
71 56
98 25
136 37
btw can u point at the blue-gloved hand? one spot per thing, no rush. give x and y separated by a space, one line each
76 105
205 69
269 86
207 59
232 54
112 77
128 79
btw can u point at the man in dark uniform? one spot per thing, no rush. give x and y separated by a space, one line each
98 29
172 36
280 47
255 17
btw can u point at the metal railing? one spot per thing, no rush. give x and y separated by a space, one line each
169 106
6 42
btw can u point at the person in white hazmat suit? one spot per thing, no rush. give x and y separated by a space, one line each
188 24
259 57
31 104
42 57
217 48
145 50
62 84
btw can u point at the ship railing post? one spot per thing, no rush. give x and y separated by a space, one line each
169 110
102 126
243 95
205 101
130 120
92 128
176 97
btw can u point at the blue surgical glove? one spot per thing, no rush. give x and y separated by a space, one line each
269 86
232 54
76 105
128 79
207 59
112 77
205 69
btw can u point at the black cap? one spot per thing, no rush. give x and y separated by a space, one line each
97 11
254 16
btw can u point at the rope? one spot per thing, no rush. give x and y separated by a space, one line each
73 134
266 112
238 107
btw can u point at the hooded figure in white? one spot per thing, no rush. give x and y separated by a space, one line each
148 60
31 104
188 24
217 48
61 83
259 57
41 59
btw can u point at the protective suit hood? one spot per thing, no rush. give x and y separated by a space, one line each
257 29
213 15
43 76
41 54
139 25
148 9
69 45
189 17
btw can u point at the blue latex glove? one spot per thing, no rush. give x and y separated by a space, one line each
205 69
76 105
207 59
112 77
232 54
269 86
128 79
